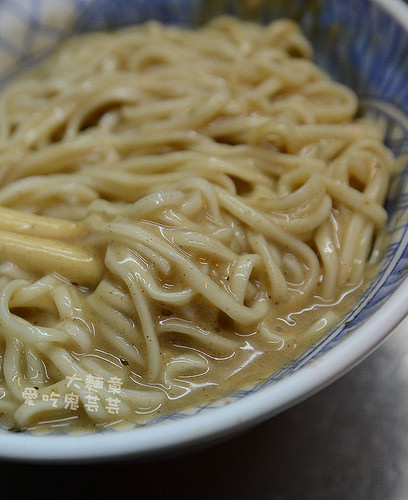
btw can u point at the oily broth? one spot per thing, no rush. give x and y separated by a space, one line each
251 363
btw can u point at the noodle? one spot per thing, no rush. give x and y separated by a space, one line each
182 213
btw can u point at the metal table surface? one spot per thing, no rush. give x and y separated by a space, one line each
349 441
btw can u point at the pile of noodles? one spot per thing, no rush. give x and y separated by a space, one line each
220 178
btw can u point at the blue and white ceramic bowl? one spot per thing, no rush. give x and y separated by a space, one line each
363 43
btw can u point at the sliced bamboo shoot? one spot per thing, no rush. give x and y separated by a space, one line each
39 225
79 264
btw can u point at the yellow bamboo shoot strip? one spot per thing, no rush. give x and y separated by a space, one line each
39 225
43 256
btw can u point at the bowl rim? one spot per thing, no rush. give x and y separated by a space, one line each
229 419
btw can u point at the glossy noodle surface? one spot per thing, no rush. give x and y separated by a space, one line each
182 213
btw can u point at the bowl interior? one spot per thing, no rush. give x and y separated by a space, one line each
354 53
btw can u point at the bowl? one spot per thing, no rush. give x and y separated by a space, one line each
362 43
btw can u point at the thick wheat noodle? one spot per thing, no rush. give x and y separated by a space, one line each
206 203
